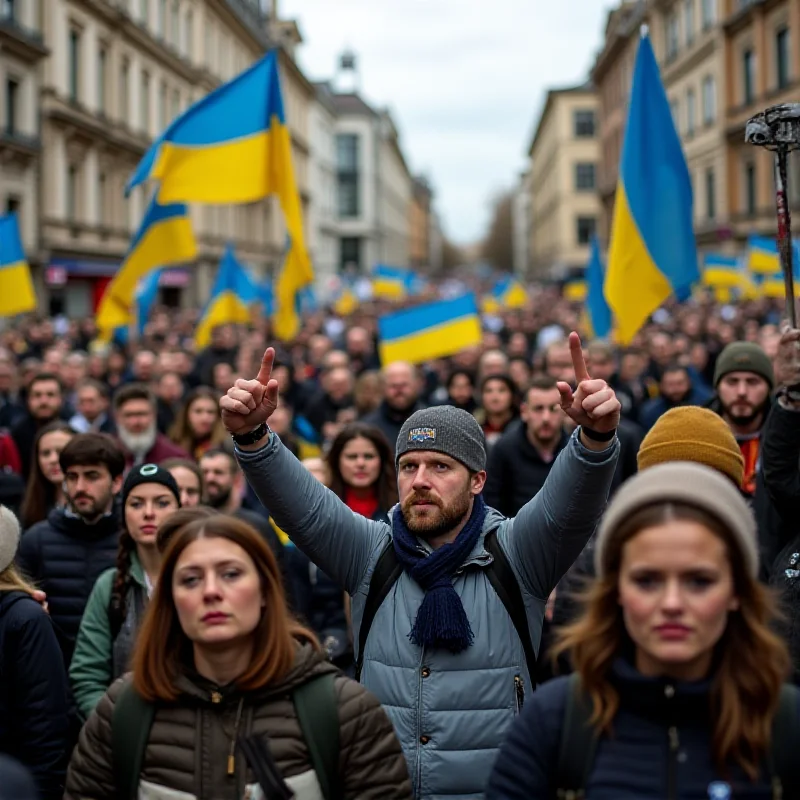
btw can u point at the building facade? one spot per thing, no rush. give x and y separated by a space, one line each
420 224
373 187
22 51
520 221
564 207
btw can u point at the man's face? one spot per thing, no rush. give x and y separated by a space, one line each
358 342
744 397
170 388
144 365
6 377
601 367
400 388
91 403
218 477
675 385
136 416
338 384
542 415
90 490
493 363
559 364
435 491
44 400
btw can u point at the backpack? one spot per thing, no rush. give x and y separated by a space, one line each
317 713
500 574
579 742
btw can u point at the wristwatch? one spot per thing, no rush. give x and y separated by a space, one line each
255 436
596 436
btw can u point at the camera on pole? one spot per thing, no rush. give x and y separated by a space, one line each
778 129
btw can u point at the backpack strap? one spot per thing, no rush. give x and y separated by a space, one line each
387 570
504 582
317 710
782 755
578 743
130 731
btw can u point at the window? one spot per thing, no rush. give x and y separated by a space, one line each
161 30
691 112
176 103
675 107
748 77
102 62
347 152
709 100
583 123
174 32
672 33
162 106
783 57
8 10
144 10
688 20
711 195
347 160
750 188
350 253
74 64
585 177
12 97
709 13
124 89
13 204
102 205
348 195
585 229
188 32
72 192
145 101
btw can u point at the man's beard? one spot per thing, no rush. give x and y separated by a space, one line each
220 499
437 522
92 512
744 420
138 443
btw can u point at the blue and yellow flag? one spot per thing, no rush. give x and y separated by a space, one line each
725 277
762 256
509 293
146 295
164 239
233 294
16 285
653 253
430 331
596 305
392 283
345 302
576 291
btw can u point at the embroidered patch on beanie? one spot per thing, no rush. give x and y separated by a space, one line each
422 435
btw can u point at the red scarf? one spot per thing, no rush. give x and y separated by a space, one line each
366 506
750 452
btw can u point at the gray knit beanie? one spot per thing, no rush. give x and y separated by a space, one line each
688 483
744 357
444 429
9 537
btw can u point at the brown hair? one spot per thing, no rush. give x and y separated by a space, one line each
134 391
163 649
751 661
177 519
181 432
93 450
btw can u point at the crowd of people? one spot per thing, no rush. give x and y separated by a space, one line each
548 566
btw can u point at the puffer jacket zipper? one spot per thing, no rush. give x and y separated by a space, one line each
673 747
519 692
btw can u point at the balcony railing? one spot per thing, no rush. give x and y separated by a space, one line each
22 141
251 16
11 26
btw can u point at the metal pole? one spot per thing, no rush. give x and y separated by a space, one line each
785 248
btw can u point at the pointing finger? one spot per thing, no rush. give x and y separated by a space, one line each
578 362
565 390
265 371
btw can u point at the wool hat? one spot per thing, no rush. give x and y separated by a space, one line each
9 537
444 429
744 357
149 473
688 483
691 433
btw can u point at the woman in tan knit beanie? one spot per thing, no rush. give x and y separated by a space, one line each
679 677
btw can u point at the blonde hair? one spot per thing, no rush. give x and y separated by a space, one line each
12 580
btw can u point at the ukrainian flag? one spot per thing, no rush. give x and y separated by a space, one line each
16 285
652 252
430 331
164 238
724 275
392 283
233 294
762 255
576 291
510 293
146 295
596 305
346 302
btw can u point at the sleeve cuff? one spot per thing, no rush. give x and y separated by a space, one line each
256 455
595 456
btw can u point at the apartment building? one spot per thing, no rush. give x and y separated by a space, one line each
564 205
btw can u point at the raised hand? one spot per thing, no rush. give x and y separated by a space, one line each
787 362
593 404
249 403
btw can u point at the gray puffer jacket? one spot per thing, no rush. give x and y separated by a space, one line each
451 712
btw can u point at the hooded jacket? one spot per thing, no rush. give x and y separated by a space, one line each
64 556
34 696
190 741
451 712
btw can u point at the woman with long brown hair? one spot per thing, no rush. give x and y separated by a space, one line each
44 490
227 675
679 678
198 425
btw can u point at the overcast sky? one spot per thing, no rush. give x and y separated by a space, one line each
464 80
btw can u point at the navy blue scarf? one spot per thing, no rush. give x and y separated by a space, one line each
441 620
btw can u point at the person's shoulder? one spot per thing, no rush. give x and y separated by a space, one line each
551 697
19 608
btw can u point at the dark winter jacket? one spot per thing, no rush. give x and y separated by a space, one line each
187 750
390 421
642 760
34 695
64 556
17 783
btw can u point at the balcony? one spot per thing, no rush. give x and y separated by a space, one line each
23 42
741 15
19 148
248 13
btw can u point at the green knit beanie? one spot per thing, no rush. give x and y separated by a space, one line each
744 357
